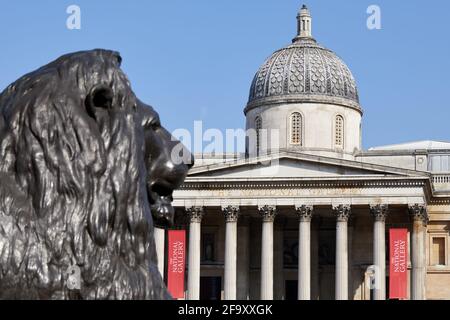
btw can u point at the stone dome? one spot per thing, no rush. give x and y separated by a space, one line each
304 72
304 99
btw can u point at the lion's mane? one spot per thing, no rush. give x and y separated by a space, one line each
72 186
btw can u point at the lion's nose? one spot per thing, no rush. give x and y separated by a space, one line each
177 173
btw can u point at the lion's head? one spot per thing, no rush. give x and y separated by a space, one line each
83 166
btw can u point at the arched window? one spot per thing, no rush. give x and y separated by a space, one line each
258 127
339 132
296 128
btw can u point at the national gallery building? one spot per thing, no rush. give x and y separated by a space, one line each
310 220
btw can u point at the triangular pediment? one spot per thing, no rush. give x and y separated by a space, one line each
295 165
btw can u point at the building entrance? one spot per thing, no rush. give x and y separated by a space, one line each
210 288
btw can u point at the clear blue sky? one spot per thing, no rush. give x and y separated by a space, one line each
194 60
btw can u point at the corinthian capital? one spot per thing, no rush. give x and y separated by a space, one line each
342 212
418 212
231 213
304 212
268 213
379 211
195 214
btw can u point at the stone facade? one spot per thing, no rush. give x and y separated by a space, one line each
310 220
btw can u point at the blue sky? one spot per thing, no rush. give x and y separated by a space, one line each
194 60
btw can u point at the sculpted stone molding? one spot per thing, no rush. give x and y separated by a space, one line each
379 211
418 212
195 214
342 212
305 212
268 213
219 186
231 213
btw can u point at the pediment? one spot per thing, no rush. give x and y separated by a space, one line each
296 166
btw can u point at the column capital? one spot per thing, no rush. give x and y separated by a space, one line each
195 214
268 213
342 212
304 212
231 213
379 212
418 212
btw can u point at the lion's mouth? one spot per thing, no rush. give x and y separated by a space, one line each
161 205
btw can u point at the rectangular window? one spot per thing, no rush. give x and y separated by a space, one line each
444 164
438 251
339 132
439 163
435 162
296 128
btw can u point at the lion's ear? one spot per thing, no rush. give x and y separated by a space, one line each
101 96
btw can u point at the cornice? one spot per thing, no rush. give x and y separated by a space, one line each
310 183
302 98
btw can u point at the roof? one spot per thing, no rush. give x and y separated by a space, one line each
416 145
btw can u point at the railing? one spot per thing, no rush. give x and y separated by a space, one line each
441 182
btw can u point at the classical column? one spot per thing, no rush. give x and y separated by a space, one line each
304 252
379 213
231 214
342 213
160 241
419 216
195 215
268 214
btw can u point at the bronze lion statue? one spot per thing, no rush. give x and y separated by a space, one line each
86 169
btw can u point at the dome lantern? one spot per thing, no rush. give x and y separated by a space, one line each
304 24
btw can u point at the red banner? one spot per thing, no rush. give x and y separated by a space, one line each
177 263
398 257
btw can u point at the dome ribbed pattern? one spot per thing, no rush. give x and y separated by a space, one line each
301 72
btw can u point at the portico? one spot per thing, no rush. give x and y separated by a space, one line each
306 214
351 213
304 271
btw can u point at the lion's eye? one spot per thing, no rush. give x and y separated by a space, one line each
156 124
